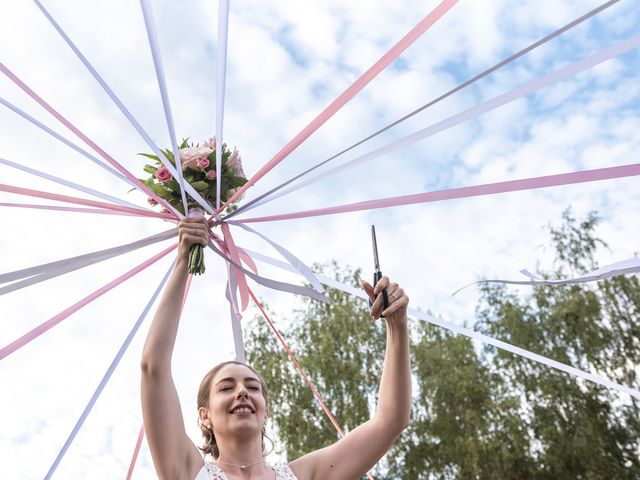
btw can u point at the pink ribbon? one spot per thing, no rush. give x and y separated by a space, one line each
233 253
81 201
330 416
52 322
84 138
99 211
464 192
348 94
136 451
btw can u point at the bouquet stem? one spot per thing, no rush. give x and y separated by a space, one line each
196 254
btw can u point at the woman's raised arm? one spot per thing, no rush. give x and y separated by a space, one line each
355 454
174 454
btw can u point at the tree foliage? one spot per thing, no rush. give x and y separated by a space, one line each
478 412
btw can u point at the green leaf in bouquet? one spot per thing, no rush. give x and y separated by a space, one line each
212 157
235 181
164 192
200 185
185 143
150 169
173 185
148 155
169 154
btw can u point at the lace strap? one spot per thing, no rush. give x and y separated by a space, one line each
214 472
283 472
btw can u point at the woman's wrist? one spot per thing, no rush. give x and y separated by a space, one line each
397 326
182 263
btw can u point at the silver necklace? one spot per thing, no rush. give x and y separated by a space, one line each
241 467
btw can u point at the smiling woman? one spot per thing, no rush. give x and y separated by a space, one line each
233 403
215 390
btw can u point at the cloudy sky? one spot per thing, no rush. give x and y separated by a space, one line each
286 62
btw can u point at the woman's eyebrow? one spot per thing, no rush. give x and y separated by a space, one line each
231 379
228 379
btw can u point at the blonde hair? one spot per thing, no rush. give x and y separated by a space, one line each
210 446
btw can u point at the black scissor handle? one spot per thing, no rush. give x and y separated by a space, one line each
385 297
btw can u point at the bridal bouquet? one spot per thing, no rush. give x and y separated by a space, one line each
198 164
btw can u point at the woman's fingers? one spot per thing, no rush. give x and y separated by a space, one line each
382 283
398 303
369 290
193 230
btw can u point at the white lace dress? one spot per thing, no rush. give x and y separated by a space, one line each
210 471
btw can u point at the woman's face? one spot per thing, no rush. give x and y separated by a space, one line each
236 401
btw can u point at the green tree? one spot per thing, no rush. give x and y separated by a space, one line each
478 412
577 429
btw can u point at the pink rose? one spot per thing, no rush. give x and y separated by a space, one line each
211 174
202 162
235 164
189 156
163 175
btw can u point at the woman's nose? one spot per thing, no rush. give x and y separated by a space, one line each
242 392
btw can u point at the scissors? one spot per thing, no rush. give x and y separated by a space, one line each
377 274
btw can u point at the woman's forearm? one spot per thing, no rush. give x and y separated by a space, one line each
158 348
394 396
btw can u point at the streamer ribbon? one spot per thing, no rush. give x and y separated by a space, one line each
67 183
348 94
147 13
298 264
136 451
268 282
239 277
221 75
80 201
68 143
98 211
40 273
464 192
623 267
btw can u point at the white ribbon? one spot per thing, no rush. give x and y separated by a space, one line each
221 74
40 273
68 143
147 13
613 270
294 261
67 183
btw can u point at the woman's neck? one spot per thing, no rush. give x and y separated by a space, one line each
242 456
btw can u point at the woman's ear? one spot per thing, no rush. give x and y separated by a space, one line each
203 414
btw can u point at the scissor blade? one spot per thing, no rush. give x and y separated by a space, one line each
376 263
